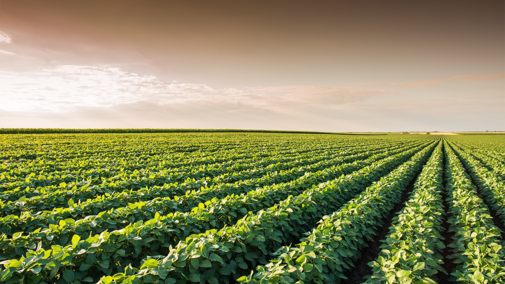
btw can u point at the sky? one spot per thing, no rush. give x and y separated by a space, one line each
340 66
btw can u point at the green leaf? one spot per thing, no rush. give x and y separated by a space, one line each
7 273
225 271
403 273
170 281
195 262
163 273
36 269
68 275
483 248
419 266
14 263
308 267
75 239
215 257
84 267
90 258
242 279
121 252
212 280
53 272
478 276
104 263
194 277
300 259
180 264
206 263
242 265
150 263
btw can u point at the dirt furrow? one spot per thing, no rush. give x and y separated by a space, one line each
372 248
448 236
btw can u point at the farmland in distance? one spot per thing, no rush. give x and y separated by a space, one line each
251 207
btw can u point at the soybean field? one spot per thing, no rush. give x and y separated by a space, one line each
251 207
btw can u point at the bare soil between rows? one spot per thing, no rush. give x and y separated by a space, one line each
372 248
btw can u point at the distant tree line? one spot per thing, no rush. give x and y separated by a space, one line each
141 130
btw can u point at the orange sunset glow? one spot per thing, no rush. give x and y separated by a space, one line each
292 65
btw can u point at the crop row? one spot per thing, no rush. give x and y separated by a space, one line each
25 221
58 166
493 163
483 150
108 252
106 148
138 179
490 184
234 251
152 176
92 171
477 248
412 252
47 171
60 196
213 212
338 241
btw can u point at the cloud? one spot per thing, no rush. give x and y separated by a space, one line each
68 87
324 95
479 77
5 38
435 82
106 96
5 52
400 115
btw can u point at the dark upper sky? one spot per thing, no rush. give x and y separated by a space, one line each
245 44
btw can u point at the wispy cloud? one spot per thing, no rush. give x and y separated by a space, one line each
106 96
71 86
399 115
5 52
434 82
5 38
325 95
